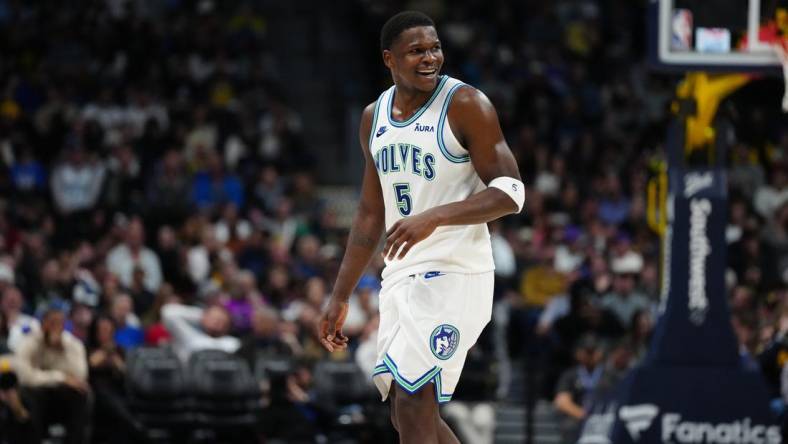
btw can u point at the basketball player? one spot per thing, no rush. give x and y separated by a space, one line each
437 169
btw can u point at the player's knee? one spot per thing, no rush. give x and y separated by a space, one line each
414 407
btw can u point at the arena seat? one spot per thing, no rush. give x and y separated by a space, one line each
156 390
343 391
341 382
271 372
224 392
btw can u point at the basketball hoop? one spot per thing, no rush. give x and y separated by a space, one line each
780 47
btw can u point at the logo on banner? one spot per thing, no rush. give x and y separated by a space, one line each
638 418
694 182
739 431
699 249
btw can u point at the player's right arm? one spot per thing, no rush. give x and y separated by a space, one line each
365 234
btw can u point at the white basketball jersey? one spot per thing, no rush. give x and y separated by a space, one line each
421 165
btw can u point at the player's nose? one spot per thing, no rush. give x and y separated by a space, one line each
430 56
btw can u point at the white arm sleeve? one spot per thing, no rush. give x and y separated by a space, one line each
512 187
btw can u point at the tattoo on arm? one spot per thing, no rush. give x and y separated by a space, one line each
362 239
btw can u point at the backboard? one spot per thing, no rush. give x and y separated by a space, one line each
716 35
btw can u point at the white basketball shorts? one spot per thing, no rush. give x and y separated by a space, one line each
428 322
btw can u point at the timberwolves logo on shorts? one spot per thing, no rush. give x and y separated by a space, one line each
444 341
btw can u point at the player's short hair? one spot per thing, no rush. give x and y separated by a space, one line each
401 22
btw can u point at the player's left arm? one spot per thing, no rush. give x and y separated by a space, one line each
475 123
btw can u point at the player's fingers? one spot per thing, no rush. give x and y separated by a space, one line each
408 245
391 239
393 228
391 242
398 244
339 337
326 344
336 334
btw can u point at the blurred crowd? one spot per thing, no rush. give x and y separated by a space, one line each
156 191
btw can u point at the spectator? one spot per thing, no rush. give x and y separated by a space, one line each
28 174
304 312
169 249
307 261
52 370
155 332
268 338
7 277
244 300
200 256
80 318
773 195
17 323
586 316
540 283
142 297
129 332
76 182
254 256
168 190
775 246
744 327
618 363
575 387
123 188
293 416
231 229
280 129
132 254
614 206
213 187
283 225
194 329
107 376
269 189
624 301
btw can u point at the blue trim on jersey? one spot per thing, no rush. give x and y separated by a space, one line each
432 375
374 121
441 121
420 110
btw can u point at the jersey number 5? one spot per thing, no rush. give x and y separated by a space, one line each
404 202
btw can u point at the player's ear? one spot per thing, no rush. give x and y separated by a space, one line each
387 58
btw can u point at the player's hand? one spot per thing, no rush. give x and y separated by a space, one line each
408 232
329 326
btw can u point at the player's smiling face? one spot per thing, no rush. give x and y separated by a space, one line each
415 58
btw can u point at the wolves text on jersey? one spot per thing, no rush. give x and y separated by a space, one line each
404 157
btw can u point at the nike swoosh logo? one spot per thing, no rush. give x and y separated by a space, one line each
432 274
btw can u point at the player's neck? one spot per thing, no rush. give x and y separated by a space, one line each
408 100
